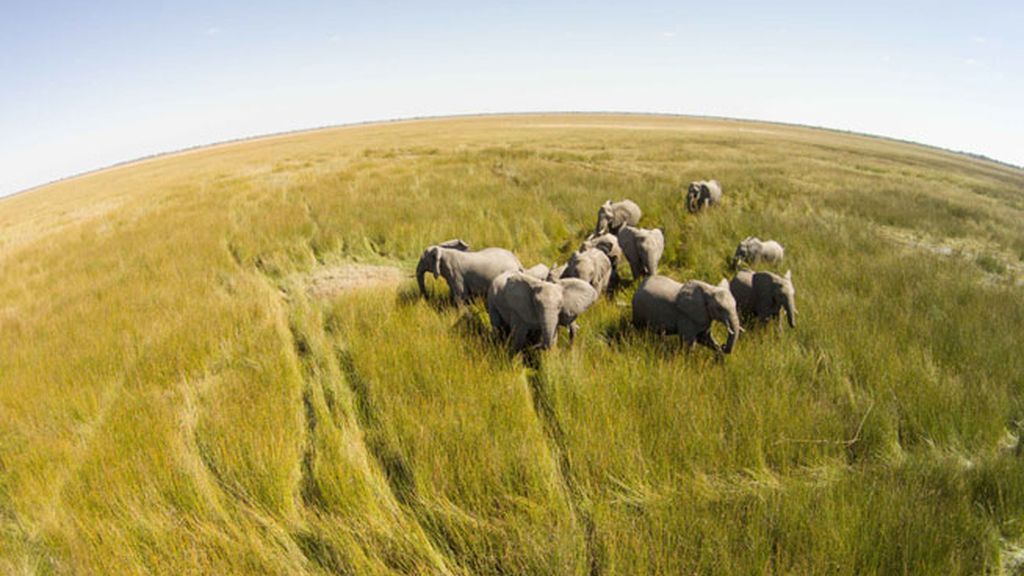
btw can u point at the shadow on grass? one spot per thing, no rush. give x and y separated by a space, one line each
623 337
409 295
474 328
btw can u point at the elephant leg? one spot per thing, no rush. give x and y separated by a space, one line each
573 329
520 338
498 324
458 291
634 268
687 342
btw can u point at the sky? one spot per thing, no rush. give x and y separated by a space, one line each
87 84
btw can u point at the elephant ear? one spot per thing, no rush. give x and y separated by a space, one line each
712 294
455 244
577 296
439 258
692 301
431 260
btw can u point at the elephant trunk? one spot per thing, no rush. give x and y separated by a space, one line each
422 269
733 326
650 264
790 311
549 327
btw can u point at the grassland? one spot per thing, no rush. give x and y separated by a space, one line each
173 398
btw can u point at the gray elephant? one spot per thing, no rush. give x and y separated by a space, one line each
613 216
609 244
764 294
592 266
753 250
530 310
703 193
540 271
468 273
642 248
664 305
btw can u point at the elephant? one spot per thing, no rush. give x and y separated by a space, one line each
752 250
664 305
592 266
530 310
642 248
468 273
609 244
764 294
611 217
556 272
540 271
703 193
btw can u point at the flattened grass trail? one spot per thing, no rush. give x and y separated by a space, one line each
194 378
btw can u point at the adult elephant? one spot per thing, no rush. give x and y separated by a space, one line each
613 216
666 306
763 295
703 193
642 248
468 273
592 266
530 310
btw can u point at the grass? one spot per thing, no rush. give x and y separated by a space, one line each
172 400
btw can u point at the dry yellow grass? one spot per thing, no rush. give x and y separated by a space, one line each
175 398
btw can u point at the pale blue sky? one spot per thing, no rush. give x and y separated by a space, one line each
87 84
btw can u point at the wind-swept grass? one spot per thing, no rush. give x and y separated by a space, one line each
174 400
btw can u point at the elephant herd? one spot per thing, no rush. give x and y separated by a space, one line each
527 305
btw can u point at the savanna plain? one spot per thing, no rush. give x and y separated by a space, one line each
203 368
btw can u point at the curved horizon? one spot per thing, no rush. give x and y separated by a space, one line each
384 121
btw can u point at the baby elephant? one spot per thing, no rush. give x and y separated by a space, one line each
763 295
555 274
530 310
607 243
642 248
664 305
468 273
612 217
592 266
703 193
540 271
752 250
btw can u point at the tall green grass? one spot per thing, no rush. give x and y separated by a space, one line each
173 400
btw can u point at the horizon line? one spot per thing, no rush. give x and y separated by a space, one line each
243 139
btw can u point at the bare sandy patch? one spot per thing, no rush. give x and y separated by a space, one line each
329 281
